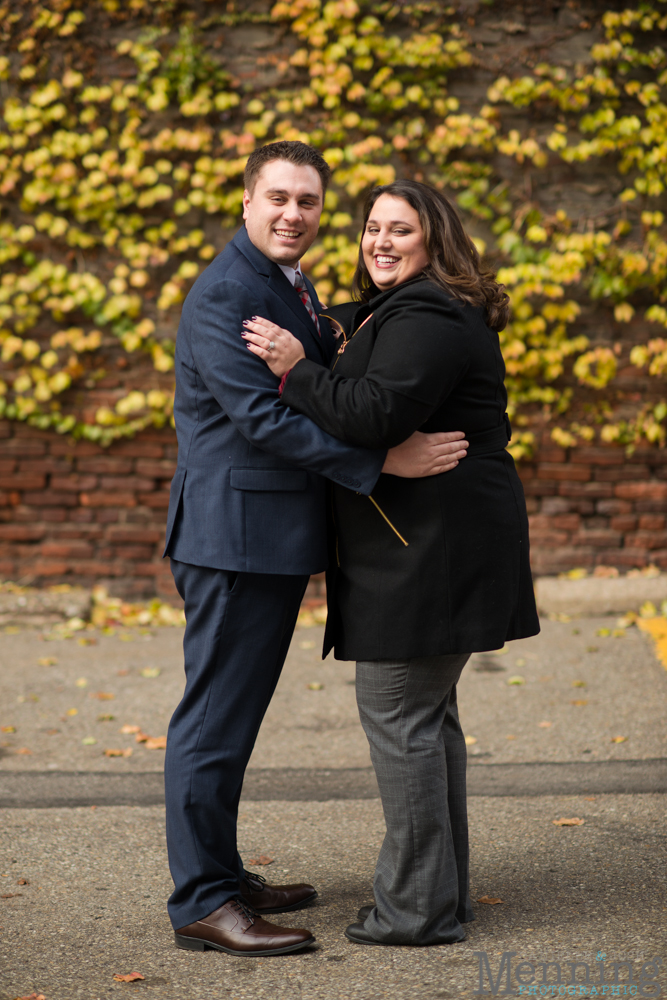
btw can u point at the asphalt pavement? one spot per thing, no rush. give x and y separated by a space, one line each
569 725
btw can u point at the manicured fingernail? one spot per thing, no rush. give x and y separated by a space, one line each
245 322
254 317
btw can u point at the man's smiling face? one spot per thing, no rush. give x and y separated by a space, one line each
282 213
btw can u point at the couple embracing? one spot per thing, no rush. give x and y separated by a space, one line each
370 439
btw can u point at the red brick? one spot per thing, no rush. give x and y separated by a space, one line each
623 522
65 550
22 532
651 506
603 537
147 569
548 453
651 522
564 470
53 514
647 540
7 465
44 465
105 465
539 522
625 557
586 490
22 481
631 473
598 456
545 561
98 499
658 556
134 535
142 552
49 498
24 447
49 567
75 449
540 487
567 522
106 515
549 539
7 568
610 507
125 483
138 449
81 515
73 482
96 569
156 470
651 490
159 499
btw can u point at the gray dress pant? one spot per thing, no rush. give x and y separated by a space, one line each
409 714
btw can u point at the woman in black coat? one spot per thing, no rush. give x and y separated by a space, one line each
424 571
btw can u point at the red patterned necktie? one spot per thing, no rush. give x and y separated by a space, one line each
300 286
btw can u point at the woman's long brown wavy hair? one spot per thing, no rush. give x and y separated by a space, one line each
454 261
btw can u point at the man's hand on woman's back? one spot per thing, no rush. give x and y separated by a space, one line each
426 454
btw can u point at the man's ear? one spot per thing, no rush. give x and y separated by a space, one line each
246 203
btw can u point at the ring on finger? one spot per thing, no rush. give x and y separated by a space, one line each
272 344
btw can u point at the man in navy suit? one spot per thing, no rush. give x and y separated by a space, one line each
246 528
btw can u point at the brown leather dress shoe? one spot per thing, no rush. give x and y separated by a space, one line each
236 930
265 898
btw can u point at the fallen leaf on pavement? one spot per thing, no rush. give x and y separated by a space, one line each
307 645
618 739
72 711
517 679
563 821
261 859
33 996
81 682
150 672
511 736
545 724
89 741
122 673
492 900
141 737
578 684
24 750
156 743
315 686
127 752
7 729
22 881
106 718
579 701
47 661
10 895
591 649
604 633
87 641
471 740
129 978
102 695
127 729
52 732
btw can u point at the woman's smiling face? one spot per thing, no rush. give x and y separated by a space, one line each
393 243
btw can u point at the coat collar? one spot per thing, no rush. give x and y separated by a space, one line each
280 284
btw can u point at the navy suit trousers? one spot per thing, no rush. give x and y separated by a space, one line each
239 628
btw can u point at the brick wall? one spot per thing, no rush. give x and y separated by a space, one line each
596 506
73 512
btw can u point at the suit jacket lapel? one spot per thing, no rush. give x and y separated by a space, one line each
282 287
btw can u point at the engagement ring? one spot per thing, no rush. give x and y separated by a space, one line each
272 344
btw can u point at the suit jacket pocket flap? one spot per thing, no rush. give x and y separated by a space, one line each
271 480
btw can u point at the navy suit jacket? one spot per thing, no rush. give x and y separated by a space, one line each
249 492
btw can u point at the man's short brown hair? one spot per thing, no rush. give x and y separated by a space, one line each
294 152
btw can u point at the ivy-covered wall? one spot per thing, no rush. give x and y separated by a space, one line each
126 125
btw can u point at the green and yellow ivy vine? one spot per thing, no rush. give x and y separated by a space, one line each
112 180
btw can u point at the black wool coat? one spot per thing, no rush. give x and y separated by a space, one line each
422 567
